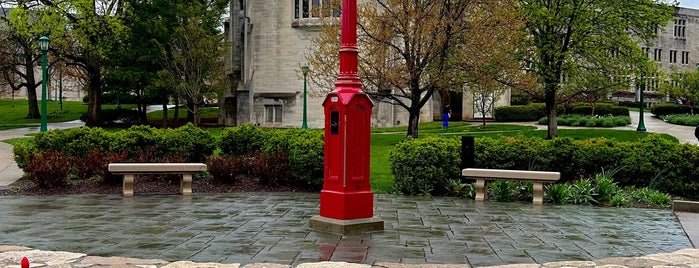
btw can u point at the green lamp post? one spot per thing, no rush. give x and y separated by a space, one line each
44 46
641 126
304 69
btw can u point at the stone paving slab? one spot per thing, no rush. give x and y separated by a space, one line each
10 256
249 228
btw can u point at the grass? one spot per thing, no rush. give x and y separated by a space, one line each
14 114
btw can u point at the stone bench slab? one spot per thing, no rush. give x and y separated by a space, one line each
131 169
536 177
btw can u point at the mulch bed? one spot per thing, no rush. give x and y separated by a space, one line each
145 185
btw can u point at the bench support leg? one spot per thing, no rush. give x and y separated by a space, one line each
128 184
480 190
538 193
186 184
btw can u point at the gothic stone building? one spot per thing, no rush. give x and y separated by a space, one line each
269 39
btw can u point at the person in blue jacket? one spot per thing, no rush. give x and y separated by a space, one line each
446 113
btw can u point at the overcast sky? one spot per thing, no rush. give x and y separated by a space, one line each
690 3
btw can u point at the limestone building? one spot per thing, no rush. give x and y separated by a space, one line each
269 39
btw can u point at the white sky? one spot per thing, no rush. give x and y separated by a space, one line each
690 3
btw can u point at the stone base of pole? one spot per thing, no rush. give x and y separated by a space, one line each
345 227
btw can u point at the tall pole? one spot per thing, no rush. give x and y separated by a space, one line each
348 79
641 126
304 69
44 46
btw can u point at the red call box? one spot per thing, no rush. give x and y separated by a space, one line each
346 190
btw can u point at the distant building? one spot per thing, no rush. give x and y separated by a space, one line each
677 47
269 39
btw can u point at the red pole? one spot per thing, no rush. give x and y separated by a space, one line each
348 79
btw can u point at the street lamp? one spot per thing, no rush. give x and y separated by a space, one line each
641 126
304 69
44 46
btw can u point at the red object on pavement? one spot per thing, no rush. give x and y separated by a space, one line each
25 262
346 190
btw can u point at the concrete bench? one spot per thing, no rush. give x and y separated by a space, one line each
537 177
131 169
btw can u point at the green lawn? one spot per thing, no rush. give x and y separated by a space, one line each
15 116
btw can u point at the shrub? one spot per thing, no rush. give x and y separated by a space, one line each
225 169
605 187
192 143
504 190
243 140
518 113
663 109
305 152
457 188
581 192
48 169
620 199
599 109
682 119
557 193
22 153
424 166
270 168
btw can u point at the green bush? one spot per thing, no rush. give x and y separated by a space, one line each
605 187
557 193
424 166
504 190
589 121
601 109
192 143
682 119
519 113
663 109
243 140
305 151
581 192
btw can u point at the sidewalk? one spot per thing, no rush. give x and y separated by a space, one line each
248 228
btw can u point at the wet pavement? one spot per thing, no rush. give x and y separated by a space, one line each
272 227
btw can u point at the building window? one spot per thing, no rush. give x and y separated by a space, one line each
673 56
685 57
304 9
646 50
658 54
680 27
273 113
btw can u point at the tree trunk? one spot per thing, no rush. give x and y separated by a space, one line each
190 113
31 92
164 114
94 96
550 100
176 117
413 121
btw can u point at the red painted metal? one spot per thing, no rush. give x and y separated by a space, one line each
24 263
346 190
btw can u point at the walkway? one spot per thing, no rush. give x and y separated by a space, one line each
248 228
272 227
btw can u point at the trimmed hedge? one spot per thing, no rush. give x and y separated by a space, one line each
663 109
425 166
536 111
303 148
85 152
651 162
519 113
601 109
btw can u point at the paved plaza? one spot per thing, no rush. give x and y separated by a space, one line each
272 227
